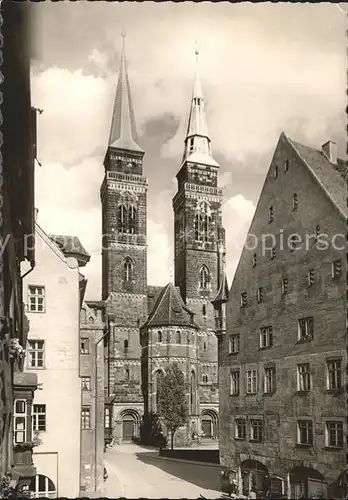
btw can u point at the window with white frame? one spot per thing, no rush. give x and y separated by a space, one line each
334 434
305 432
305 328
303 377
266 337
251 381
311 277
36 351
39 417
20 421
42 487
84 346
336 268
107 419
36 298
240 428
270 380
86 383
285 286
334 374
256 429
234 382
86 417
234 344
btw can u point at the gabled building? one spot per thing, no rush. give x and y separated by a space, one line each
128 297
18 127
283 358
53 293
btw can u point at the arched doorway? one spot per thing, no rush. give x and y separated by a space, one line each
42 487
255 478
306 482
130 425
209 424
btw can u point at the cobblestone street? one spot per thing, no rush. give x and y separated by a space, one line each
135 471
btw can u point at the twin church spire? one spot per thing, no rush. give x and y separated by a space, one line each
123 133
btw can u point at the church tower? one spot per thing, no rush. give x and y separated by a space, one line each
198 231
124 259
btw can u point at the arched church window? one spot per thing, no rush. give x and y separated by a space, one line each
127 374
125 345
202 222
204 312
122 219
127 270
204 278
178 337
159 336
132 220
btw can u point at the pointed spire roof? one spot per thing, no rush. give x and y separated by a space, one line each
170 310
197 141
123 133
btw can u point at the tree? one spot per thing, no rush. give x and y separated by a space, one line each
172 400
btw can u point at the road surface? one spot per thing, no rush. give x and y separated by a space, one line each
136 472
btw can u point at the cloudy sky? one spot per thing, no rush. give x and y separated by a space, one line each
265 68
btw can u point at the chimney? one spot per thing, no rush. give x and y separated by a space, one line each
36 214
330 151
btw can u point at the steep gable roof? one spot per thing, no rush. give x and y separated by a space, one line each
170 310
329 176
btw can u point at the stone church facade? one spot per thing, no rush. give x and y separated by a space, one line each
151 326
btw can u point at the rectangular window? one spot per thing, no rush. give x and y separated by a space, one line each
305 329
275 171
20 421
251 382
311 277
270 214
295 202
336 268
36 298
240 429
84 346
36 350
85 417
254 260
234 343
305 432
270 380
266 337
303 377
39 417
317 231
259 295
256 430
86 383
334 374
334 434
273 253
285 286
286 165
235 383
243 299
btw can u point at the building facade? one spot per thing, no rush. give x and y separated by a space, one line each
52 293
128 297
282 360
92 341
16 229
